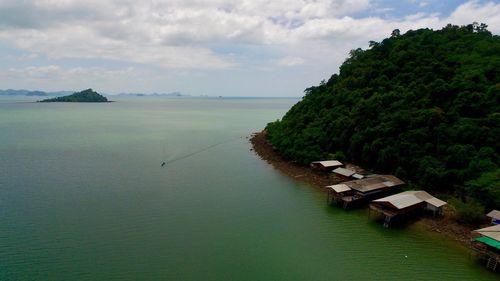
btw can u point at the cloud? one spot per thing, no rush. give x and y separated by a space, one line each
420 3
33 72
291 61
474 11
55 77
383 10
84 42
209 35
171 34
55 73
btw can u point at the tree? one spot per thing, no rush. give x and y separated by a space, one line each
424 105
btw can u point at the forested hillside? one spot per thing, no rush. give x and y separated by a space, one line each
424 106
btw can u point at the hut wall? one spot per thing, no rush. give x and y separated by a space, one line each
435 210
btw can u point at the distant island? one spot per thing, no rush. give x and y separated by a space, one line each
88 95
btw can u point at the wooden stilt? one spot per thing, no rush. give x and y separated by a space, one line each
492 263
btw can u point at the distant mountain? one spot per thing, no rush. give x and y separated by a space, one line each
36 93
172 94
11 92
84 96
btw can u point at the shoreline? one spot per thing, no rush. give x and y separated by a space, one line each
446 225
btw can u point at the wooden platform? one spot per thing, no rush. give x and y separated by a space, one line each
488 257
390 216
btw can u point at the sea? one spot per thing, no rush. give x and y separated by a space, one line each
84 196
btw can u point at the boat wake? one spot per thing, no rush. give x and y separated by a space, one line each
165 162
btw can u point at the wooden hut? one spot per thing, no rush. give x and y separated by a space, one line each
336 192
343 173
495 216
486 244
356 192
327 165
406 204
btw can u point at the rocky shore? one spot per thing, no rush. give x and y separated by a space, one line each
445 225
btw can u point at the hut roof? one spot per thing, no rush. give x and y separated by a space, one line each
357 176
344 172
492 232
409 198
339 188
374 182
488 241
328 163
436 202
495 214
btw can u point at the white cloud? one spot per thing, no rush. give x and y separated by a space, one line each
33 72
105 79
383 10
205 35
55 73
474 11
420 3
173 34
291 61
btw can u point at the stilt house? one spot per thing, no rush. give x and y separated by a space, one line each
486 244
355 192
406 204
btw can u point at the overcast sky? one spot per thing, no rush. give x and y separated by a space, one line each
204 47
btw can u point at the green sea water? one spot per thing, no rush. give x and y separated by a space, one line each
83 196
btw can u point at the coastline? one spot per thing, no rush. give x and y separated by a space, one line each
445 225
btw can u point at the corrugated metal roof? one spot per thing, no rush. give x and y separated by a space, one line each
491 231
436 202
373 182
422 195
489 241
392 178
373 186
358 176
389 183
339 188
409 198
343 171
328 163
495 214
401 200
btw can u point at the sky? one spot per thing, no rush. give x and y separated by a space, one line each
271 48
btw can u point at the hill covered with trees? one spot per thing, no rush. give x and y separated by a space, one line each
424 105
84 96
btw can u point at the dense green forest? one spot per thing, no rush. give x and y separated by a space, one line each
84 96
424 105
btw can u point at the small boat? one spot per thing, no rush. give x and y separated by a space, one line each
163 164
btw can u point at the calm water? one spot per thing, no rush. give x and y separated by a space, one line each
83 197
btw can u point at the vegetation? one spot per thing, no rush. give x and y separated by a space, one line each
424 106
84 96
468 210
